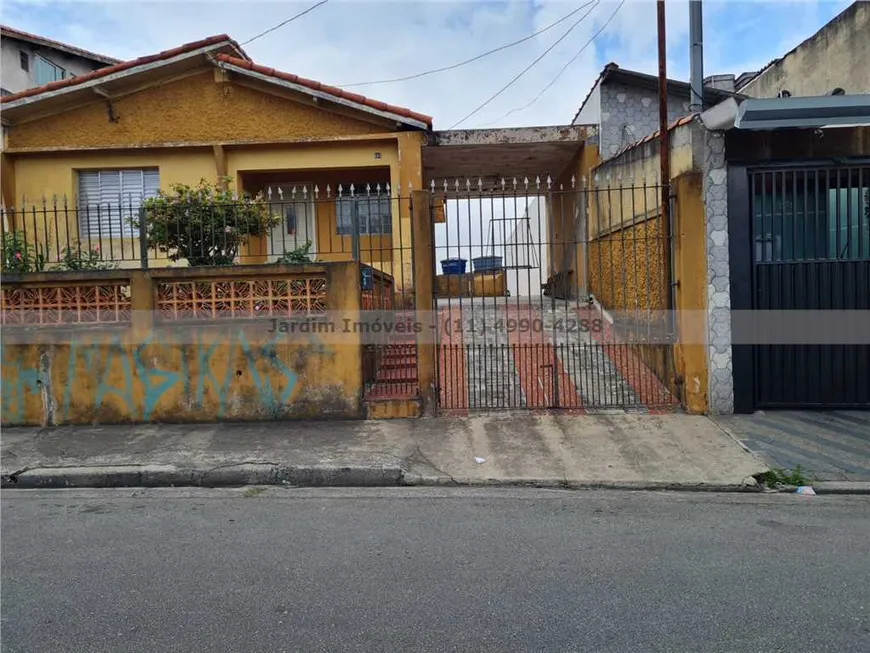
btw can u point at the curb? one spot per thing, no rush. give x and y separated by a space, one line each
565 484
841 487
224 476
242 474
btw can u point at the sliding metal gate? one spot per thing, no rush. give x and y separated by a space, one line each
551 296
811 240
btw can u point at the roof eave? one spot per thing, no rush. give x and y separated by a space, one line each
299 88
12 33
107 79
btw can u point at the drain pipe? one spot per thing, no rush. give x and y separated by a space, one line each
696 62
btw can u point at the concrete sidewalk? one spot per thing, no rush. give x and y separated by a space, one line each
618 450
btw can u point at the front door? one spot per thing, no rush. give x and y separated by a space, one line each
296 228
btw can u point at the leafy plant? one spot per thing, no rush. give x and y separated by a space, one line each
301 254
74 257
775 477
204 224
20 255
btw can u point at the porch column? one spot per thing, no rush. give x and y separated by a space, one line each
424 277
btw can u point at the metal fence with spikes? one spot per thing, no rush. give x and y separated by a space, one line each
286 223
553 293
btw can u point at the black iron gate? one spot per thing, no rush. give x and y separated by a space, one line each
551 296
811 252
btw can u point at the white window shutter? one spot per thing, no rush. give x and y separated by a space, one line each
108 199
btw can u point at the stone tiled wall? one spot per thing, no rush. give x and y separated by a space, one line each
629 114
721 379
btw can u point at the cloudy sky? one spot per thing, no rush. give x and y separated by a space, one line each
347 42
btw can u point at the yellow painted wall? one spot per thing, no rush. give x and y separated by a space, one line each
625 268
180 373
196 108
53 176
690 265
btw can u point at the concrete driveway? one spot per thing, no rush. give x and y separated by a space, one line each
828 446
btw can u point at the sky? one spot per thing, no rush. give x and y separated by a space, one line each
347 42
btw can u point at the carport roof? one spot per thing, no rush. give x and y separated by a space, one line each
492 154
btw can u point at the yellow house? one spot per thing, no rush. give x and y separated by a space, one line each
80 155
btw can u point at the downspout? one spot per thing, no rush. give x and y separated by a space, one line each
696 61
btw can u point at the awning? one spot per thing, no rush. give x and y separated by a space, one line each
488 155
793 112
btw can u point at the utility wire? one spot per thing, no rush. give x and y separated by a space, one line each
564 68
473 59
527 68
289 20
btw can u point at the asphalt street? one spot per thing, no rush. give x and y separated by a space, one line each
433 570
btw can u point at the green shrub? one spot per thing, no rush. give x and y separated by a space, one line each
301 254
20 255
204 224
74 257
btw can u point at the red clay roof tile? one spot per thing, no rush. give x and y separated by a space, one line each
331 90
124 65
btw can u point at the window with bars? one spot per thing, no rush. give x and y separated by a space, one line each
373 214
109 199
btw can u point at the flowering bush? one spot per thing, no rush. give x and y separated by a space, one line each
203 224
74 257
21 256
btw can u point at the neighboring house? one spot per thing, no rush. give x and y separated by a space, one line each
832 61
623 105
772 195
102 142
29 60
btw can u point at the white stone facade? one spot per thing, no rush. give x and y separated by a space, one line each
721 376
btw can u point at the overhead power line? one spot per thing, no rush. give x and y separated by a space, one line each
473 59
565 67
529 67
289 20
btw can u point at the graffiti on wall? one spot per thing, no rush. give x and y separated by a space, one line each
99 377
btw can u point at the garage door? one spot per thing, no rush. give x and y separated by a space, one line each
811 241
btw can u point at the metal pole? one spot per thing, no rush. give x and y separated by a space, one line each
696 62
664 149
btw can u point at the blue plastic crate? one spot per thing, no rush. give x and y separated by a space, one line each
453 266
487 263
